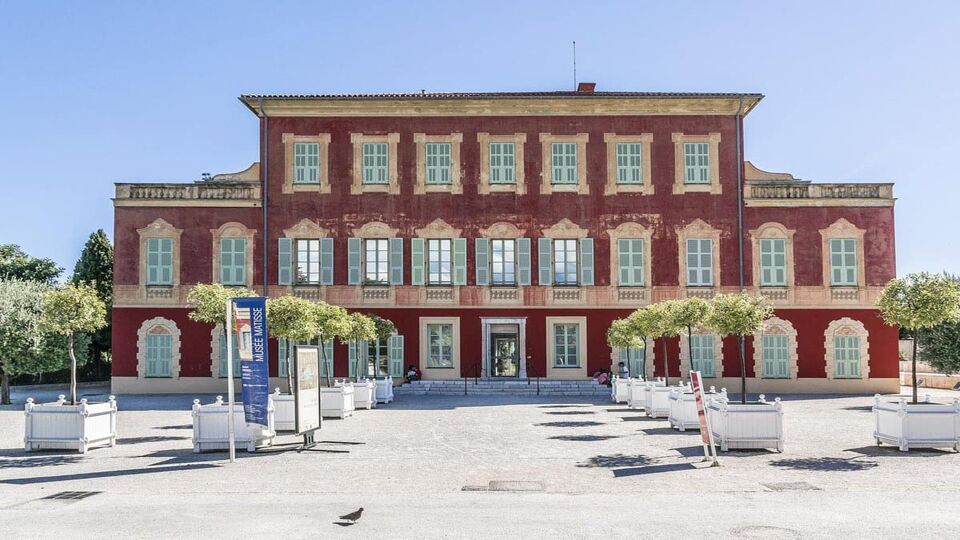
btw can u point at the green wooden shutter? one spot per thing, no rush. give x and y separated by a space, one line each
623 262
151 356
355 350
416 261
153 261
586 261
395 355
545 262
166 261
327 368
282 357
482 261
326 261
523 261
459 261
396 261
353 261
285 261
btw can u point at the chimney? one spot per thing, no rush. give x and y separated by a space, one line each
586 87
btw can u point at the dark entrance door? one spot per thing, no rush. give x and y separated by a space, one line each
504 360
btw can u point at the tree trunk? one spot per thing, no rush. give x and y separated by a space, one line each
690 348
73 370
4 388
913 366
666 361
323 358
643 361
290 368
743 371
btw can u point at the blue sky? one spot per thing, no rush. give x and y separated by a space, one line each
99 92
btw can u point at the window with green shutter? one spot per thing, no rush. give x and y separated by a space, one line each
502 163
375 159
159 355
566 345
233 261
775 356
843 261
159 261
565 268
699 262
504 261
846 354
438 163
306 163
376 262
628 163
223 354
307 264
696 161
378 360
702 354
630 261
564 163
440 345
439 261
773 262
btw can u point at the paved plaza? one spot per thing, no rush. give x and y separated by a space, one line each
483 466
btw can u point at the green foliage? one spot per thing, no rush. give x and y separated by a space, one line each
72 309
208 302
21 306
15 264
291 318
918 301
95 268
690 312
666 315
940 346
738 314
332 321
384 328
620 335
52 354
361 327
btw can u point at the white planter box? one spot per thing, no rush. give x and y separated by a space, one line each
754 425
58 426
683 408
620 390
637 397
336 401
284 413
364 394
924 425
657 400
211 428
384 390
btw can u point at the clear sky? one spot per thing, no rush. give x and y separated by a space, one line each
100 92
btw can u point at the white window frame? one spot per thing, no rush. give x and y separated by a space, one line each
562 350
503 271
311 262
439 252
563 246
439 356
380 261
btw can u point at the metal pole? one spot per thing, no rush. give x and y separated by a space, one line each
230 434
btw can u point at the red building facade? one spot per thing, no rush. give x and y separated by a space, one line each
502 233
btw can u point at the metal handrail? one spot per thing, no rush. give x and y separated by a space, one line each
476 376
529 376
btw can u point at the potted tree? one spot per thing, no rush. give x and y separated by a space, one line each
68 312
293 319
366 391
620 336
643 323
744 425
688 314
917 303
665 324
332 323
338 401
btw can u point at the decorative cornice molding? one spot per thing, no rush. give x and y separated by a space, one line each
306 228
438 228
502 229
375 229
565 229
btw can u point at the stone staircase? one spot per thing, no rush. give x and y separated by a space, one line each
513 387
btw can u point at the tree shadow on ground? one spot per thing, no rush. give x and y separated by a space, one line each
38 461
893 451
156 438
568 413
584 438
104 474
585 423
690 451
614 461
652 469
562 406
824 464
861 408
666 431
642 418
184 426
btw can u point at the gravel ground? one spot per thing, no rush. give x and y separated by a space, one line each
422 467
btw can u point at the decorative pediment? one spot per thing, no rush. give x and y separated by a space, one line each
772 229
502 229
438 228
565 229
233 229
375 229
629 230
306 228
841 227
160 228
697 227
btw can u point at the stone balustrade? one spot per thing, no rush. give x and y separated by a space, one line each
765 190
200 191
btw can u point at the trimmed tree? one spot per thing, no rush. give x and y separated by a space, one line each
361 328
21 306
68 311
293 319
332 322
940 347
689 313
918 302
16 264
208 304
620 335
95 268
738 315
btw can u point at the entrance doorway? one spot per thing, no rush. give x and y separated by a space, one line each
504 347
505 361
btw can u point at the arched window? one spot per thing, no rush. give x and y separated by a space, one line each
775 350
158 349
845 342
707 353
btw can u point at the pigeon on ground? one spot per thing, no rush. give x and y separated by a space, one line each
353 517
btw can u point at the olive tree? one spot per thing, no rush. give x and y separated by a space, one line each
738 315
68 311
293 319
918 302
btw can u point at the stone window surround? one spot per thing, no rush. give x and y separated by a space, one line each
393 180
305 229
646 185
772 230
698 228
167 326
215 334
686 362
502 229
289 140
519 186
776 325
679 181
648 372
566 372
842 228
424 356
847 326
160 228
372 230
630 230
455 186
546 174
233 229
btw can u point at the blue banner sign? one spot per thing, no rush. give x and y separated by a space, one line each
250 318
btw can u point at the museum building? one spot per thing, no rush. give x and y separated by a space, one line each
502 233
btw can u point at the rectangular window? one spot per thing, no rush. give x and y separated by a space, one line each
378 361
439 264
702 354
773 262
566 345
696 161
160 261
846 353
375 163
308 262
438 163
502 163
565 268
376 261
775 357
233 261
159 355
630 261
504 261
699 262
236 355
843 261
440 338
564 161
306 163
628 163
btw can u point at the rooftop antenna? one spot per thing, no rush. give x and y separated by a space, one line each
574 64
